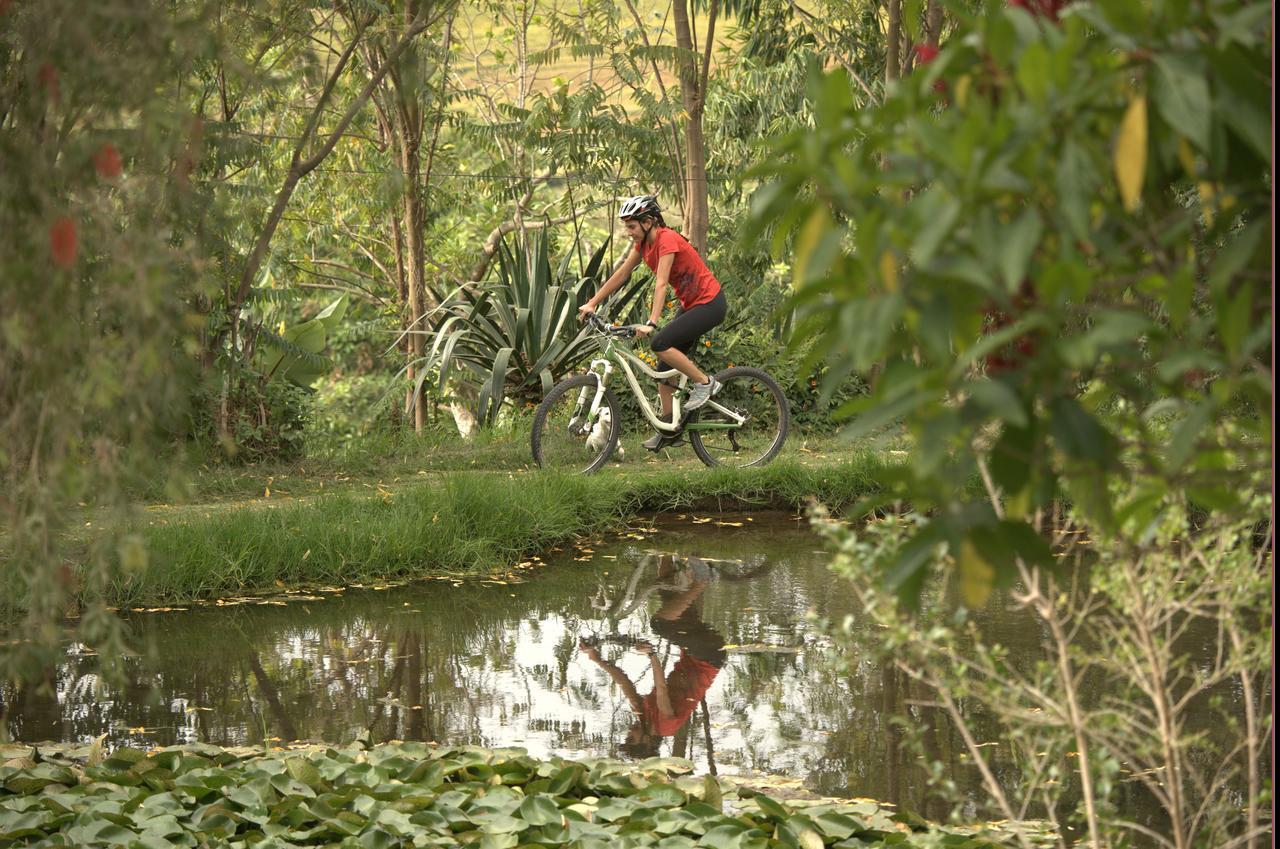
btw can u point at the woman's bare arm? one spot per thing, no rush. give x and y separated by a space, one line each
615 280
663 276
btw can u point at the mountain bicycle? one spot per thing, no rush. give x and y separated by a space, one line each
634 595
578 423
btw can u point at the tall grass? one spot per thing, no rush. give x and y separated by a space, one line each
456 524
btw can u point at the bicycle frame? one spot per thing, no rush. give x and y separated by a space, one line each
602 368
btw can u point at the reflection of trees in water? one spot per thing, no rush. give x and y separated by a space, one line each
471 663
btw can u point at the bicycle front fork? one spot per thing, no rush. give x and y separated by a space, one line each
588 416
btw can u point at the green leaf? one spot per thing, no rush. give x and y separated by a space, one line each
1178 297
1234 317
938 212
905 574
1181 94
1018 243
15 825
566 780
771 808
1075 183
1002 541
1111 330
492 822
1237 254
836 826
670 821
540 810
1078 434
1087 488
504 840
1034 72
726 836
711 793
1014 458
996 398
1186 432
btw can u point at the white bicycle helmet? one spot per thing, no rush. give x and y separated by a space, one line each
640 206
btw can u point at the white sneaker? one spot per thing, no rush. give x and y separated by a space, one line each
700 393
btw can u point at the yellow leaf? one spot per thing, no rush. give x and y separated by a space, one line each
1187 157
1017 506
809 839
889 271
976 575
962 90
1131 153
1207 193
810 235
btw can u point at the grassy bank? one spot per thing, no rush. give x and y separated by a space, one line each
392 460
454 524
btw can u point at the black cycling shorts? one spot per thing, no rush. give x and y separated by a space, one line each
683 331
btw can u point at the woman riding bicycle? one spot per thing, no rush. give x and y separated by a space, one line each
675 263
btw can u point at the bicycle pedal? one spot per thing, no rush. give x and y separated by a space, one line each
665 442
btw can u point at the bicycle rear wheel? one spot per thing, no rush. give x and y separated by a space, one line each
745 423
563 438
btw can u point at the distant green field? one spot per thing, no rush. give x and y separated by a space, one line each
487 57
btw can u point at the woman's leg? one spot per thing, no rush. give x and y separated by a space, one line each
679 336
681 363
665 393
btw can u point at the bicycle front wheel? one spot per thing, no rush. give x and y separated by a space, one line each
565 436
745 423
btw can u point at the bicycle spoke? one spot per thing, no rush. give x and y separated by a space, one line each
565 437
745 424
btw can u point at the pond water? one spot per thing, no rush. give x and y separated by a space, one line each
563 660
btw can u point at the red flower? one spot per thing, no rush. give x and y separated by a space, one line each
926 53
106 160
48 76
62 242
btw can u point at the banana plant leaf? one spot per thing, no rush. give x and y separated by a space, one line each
295 355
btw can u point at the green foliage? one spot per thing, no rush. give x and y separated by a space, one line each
1066 289
519 334
1153 673
294 355
416 794
265 420
349 406
95 320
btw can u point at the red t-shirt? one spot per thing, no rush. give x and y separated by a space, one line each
693 281
688 682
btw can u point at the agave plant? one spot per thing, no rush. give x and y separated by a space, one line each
518 334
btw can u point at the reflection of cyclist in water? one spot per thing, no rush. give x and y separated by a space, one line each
674 696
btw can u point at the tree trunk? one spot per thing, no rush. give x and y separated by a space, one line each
893 40
412 213
933 23
693 97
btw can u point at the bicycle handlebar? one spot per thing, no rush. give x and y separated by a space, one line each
625 331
